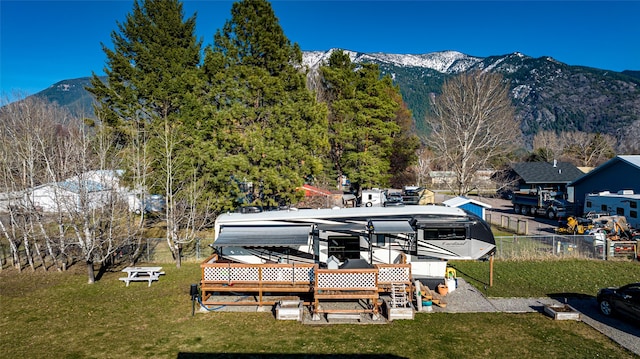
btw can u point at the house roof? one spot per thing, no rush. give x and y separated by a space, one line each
545 172
631 160
462 200
89 186
314 191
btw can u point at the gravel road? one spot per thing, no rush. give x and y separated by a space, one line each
499 207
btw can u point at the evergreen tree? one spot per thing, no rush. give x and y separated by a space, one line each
366 122
151 68
148 98
261 124
405 146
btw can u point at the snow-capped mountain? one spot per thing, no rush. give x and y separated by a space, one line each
448 62
548 94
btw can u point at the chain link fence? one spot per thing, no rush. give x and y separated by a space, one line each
156 250
564 246
519 247
152 250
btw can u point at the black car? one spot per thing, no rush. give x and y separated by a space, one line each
394 199
624 300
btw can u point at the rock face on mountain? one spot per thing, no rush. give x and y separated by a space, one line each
548 95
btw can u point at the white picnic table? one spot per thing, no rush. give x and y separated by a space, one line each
135 274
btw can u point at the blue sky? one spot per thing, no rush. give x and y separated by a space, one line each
43 42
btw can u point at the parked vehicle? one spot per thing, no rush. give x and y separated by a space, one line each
424 236
417 195
505 193
624 301
622 203
394 199
550 204
374 197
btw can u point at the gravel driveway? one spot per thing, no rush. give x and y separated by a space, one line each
499 207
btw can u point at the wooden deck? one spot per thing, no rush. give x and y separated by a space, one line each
256 279
308 280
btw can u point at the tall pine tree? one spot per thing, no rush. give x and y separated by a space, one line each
367 123
261 124
148 98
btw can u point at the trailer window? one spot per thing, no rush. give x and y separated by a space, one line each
633 214
633 204
588 204
603 208
344 247
380 240
445 233
620 211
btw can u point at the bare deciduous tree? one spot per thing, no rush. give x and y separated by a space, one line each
28 132
59 185
473 122
423 166
587 149
186 210
547 146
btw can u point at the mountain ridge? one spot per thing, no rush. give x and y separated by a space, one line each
547 94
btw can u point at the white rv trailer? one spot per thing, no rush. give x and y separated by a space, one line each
623 203
374 197
426 235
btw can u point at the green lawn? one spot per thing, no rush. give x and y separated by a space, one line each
58 315
520 278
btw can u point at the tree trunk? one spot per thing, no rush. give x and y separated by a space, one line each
53 256
133 258
90 274
40 255
27 252
178 252
15 256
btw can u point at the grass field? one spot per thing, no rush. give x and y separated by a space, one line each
58 315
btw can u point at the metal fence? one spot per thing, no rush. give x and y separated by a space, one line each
156 250
152 250
578 246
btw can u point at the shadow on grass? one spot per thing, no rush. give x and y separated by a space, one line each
469 277
282 356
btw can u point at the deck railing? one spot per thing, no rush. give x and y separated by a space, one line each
235 279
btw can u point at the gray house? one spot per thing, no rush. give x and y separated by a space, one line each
617 174
550 175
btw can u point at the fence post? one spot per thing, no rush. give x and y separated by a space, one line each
491 271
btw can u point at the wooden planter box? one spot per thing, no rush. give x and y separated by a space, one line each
562 312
